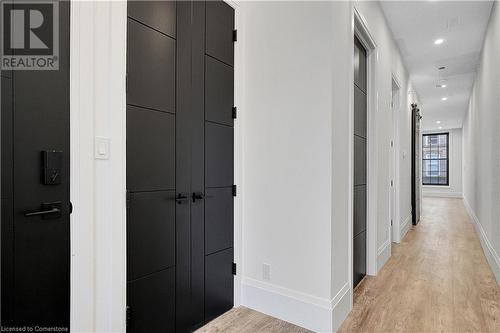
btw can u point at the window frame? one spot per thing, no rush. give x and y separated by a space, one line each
447 134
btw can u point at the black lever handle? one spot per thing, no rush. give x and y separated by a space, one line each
49 210
198 196
43 212
181 197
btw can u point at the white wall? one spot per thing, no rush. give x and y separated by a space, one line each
287 132
297 170
481 152
454 189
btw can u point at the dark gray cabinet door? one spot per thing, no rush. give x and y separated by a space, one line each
179 164
35 236
219 158
360 164
153 206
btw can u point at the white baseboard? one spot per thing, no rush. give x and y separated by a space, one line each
439 194
405 226
307 311
489 252
342 306
383 254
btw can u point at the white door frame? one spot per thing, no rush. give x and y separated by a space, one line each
98 187
362 32
394 202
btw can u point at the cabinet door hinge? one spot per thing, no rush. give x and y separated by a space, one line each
235 112
234 268
235 35
234 190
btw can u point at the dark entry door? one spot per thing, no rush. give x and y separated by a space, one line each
35 222
416 159
179 164
360 143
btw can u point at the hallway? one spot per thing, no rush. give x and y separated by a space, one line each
437 280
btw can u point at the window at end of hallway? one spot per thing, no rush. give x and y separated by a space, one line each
435 159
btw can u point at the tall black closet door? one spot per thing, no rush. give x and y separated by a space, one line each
153 212
219 158
179 164
360 166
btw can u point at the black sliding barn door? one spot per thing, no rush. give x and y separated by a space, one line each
179 164
35 195
360 143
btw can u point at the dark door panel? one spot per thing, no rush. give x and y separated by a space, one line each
7 157
218 219
151 232
151 301
360 118
219 92
219 156
7 276
219 33
150 150
359 216
359 257
360 163
41 254
159 15
179 164
359 160
150 68
218 283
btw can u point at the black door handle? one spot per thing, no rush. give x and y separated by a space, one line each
43 212
181 197
198 196
48 210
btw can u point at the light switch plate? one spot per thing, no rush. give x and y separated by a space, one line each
101 148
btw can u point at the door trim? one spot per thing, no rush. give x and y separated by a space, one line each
361 30
396 109
97 108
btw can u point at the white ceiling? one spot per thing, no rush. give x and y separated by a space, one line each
462 24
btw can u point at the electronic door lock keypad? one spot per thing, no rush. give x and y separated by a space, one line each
52 165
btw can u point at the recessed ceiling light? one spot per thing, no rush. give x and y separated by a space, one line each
440 127
438 122
440 85
439 41
444 98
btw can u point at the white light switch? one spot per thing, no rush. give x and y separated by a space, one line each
101 148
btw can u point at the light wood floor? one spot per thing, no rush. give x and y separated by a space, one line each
244 320
437 280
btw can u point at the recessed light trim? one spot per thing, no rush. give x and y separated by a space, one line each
439 41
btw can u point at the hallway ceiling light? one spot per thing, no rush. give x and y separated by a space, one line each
444 98
438 122
439 41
